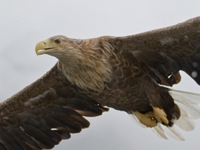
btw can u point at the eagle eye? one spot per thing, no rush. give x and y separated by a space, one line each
57 41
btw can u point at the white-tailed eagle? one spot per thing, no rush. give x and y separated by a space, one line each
131 74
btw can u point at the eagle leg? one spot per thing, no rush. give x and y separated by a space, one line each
160 115
146 119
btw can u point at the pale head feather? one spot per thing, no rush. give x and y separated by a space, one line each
85 63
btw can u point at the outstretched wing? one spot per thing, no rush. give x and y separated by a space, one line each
44 113
165 51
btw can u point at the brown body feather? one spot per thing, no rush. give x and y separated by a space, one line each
119 72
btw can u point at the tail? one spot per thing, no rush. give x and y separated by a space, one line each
189 109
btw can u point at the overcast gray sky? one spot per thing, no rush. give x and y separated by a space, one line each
23 23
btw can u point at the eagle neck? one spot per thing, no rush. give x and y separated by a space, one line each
92 71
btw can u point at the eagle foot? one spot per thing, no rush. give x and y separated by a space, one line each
146 119
160 115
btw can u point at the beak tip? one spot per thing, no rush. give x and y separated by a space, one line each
38 47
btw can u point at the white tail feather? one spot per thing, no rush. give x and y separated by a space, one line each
188 105
189 111
187 102
159 131
185 123
182 96
173 132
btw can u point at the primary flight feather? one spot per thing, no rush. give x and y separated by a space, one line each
131 74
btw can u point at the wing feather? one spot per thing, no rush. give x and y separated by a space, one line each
44 113
164 51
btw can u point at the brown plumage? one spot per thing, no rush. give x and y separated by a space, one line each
125 73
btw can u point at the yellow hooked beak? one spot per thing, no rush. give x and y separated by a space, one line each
43 47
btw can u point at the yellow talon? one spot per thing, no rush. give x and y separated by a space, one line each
160 115
146 119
